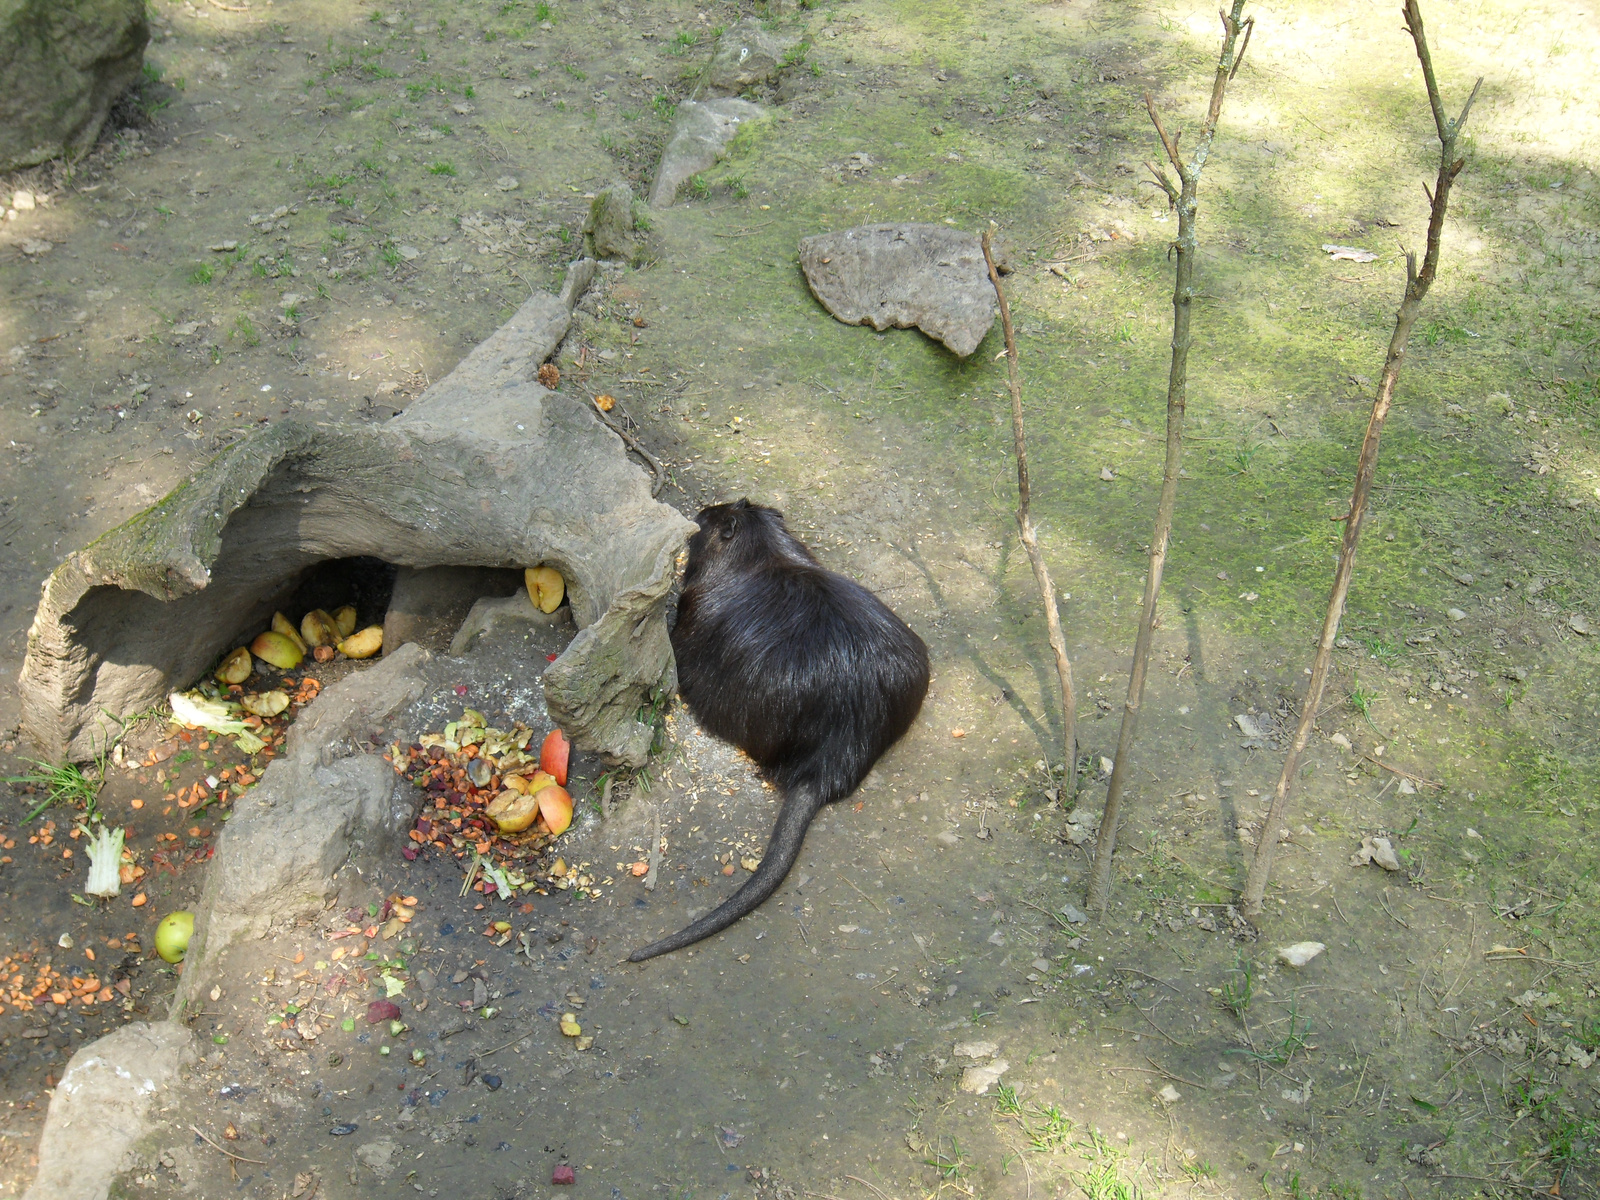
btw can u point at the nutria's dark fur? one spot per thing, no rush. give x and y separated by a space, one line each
804 670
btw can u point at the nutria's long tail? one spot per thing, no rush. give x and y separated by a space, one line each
799 807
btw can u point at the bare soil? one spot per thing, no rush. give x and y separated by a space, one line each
1443 1039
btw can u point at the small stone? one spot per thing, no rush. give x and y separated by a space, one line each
1299 954
1248 727
462 108
506 183
1456 614
1106 474
1074 914
33 247
563 1174
979 1079
611 224
408 252
1168 1095
977 1050
223 247
1341 741
492 1082
1579 624
1377 849
1041 964
22 201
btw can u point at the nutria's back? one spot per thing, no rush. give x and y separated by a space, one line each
803 669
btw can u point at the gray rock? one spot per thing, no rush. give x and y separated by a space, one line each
928 276
490 613
429 605
486 469
64 63
746 56
611 224
700 136
102 1104
1074 914
277 859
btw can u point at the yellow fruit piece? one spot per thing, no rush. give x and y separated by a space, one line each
364 644
545 587
278 649
265 704
317 628
531 784
555 806
512 812
558 868
570 1026
282 624
236 667
583 1043
345 619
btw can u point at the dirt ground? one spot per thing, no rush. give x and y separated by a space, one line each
388 184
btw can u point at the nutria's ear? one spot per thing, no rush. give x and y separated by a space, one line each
730 524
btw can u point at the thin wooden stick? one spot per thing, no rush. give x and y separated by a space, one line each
229 1153
1184 200
1030 539
1417 285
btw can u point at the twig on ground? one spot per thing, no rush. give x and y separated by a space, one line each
656 469
1417 779
1417 284
655 848
874 1187
1184 199
864 896
223 1150
1030 538
1383 898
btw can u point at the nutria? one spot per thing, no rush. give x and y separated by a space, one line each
804 670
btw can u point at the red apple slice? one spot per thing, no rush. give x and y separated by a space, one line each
553 756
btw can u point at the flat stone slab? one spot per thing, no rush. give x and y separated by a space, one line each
486 469
701 132
928 276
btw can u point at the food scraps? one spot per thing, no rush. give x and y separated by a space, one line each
491 800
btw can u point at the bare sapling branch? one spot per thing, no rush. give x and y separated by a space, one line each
1030 539
1184 200
1417 284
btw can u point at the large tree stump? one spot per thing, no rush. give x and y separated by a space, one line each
486 469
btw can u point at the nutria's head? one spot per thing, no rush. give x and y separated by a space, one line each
746 531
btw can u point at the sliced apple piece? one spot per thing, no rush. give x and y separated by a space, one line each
278 649
555 806
282 624
364 644
317 628
345 619
545 587
236 667
512 812
553 756
265 704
